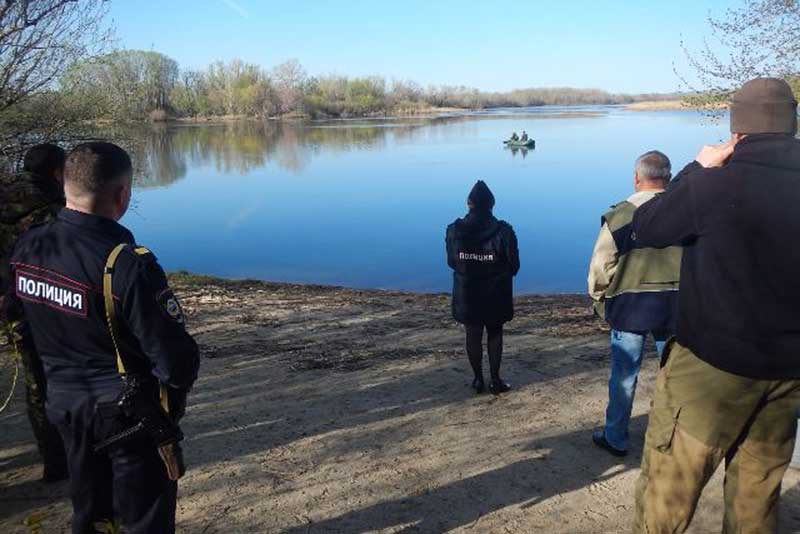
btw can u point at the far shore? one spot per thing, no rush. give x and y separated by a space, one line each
433 113
672 105
660 105
399 114
410 113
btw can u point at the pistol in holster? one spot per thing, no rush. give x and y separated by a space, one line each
147 407
138 404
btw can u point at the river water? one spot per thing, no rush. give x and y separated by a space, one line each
365 203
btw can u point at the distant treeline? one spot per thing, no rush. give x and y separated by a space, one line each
137 85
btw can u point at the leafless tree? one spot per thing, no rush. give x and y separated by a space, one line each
125 84
39 41
757 38
288 79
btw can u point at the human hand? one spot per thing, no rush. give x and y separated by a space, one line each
715 155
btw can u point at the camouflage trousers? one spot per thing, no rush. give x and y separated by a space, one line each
48 440
700 417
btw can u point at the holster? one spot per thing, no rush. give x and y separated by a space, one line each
152 416
172 456
137 415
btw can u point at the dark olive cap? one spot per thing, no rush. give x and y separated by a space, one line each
764 105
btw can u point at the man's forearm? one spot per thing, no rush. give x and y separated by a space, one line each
686 171
668 219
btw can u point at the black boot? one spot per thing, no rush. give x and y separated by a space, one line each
478 385
498 386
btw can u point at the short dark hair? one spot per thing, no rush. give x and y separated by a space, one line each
93 166
44 160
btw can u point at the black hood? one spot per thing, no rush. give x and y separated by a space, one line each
481 196
479 226
777 151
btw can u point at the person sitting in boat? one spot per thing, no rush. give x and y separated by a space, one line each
524 137
514 137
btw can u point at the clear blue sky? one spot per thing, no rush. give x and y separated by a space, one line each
617 45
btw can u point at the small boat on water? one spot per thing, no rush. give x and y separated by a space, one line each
530 143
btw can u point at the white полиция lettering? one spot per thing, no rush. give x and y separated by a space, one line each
472 256
60 296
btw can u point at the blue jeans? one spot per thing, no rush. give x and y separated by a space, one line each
627 349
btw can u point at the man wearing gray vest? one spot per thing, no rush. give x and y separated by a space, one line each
635 290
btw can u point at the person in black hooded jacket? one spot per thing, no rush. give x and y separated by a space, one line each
483 254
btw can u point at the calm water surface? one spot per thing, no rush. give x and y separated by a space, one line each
365 204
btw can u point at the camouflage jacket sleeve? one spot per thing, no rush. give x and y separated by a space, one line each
5 269
10 306
25 201
12 318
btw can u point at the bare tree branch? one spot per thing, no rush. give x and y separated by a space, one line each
40 41
758 38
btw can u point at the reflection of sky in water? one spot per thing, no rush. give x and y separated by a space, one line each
367 204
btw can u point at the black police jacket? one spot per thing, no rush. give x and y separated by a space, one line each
57 294
483 253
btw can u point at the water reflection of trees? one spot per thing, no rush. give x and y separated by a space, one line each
156 158
164 154
163 161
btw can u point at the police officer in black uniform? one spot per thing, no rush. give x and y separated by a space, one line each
57 292
483 253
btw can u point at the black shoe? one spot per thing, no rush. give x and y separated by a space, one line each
496 387
599 439
54 474
478 385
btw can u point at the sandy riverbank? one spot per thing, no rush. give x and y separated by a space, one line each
674 105
332 410
660 105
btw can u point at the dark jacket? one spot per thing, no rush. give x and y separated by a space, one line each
57 292
483 253
739 304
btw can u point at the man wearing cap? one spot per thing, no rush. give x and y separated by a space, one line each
482 252
729 388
